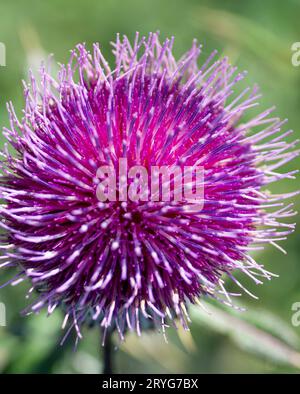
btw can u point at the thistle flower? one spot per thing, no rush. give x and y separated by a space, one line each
117 262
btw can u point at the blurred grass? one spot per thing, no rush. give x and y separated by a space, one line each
257 36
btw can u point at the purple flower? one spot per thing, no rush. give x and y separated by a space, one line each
120 262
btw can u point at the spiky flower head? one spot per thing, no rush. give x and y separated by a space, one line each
118 262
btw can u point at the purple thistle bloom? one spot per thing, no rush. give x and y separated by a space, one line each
116 262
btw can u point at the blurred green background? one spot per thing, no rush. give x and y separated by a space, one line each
257 36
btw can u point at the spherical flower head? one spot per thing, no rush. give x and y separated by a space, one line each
119 261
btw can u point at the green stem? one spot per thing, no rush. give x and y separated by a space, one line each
108 353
